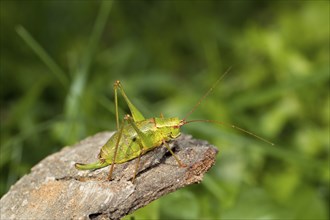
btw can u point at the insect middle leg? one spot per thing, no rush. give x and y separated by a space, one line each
137 164
144 143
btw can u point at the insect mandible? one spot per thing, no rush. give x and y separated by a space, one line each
136 135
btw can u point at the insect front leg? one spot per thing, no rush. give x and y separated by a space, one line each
175 157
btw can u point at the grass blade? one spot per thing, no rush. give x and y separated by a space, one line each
43 55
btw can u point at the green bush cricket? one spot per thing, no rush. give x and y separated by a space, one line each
136 135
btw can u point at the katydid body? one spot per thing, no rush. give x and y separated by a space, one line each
131 145
137 135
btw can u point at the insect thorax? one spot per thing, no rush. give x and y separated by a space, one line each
171 126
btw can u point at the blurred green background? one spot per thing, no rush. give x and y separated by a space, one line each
59 60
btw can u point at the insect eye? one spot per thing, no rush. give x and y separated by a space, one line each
174 134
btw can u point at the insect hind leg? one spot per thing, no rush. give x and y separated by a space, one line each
116 150
136 114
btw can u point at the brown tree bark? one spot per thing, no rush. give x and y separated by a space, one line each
56 190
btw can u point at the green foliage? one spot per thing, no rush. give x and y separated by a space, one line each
59 61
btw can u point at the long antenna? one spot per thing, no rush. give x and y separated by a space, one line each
233 126
206 94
